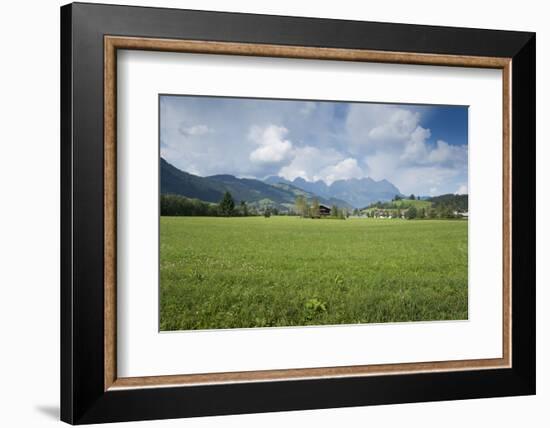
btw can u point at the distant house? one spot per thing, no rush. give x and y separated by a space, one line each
324 210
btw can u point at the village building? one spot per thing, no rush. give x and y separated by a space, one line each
324 210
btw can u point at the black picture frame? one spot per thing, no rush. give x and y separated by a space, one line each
83 398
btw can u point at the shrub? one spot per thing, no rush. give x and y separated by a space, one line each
411 213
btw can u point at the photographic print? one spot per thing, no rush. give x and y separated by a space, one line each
281 213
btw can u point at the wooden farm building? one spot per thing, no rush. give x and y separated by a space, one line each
324 210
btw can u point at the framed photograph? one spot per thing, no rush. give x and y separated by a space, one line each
266 213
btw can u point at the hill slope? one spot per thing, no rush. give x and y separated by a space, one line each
177 182
254 192
450 201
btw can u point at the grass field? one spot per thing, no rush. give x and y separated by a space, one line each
286 271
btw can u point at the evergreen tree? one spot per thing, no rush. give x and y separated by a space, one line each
227 205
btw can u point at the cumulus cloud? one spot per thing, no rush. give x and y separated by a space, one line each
393 143
274 148
373 127
414 173
307 161
445 154
343 170
399 124
313 164
414 147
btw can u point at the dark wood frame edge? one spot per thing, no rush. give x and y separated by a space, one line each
112 43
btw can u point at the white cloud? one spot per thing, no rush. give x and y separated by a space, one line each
273 148
444 153
416 177
329 165
462 190
343 170
373 127
308 161
414 148
418 152
399 124
394 145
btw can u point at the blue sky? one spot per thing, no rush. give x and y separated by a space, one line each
421 149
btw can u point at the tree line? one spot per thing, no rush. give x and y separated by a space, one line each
443 207
176 205
413 212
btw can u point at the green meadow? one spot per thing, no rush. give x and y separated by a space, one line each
241 272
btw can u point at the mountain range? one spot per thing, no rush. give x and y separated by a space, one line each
358 192
274 191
